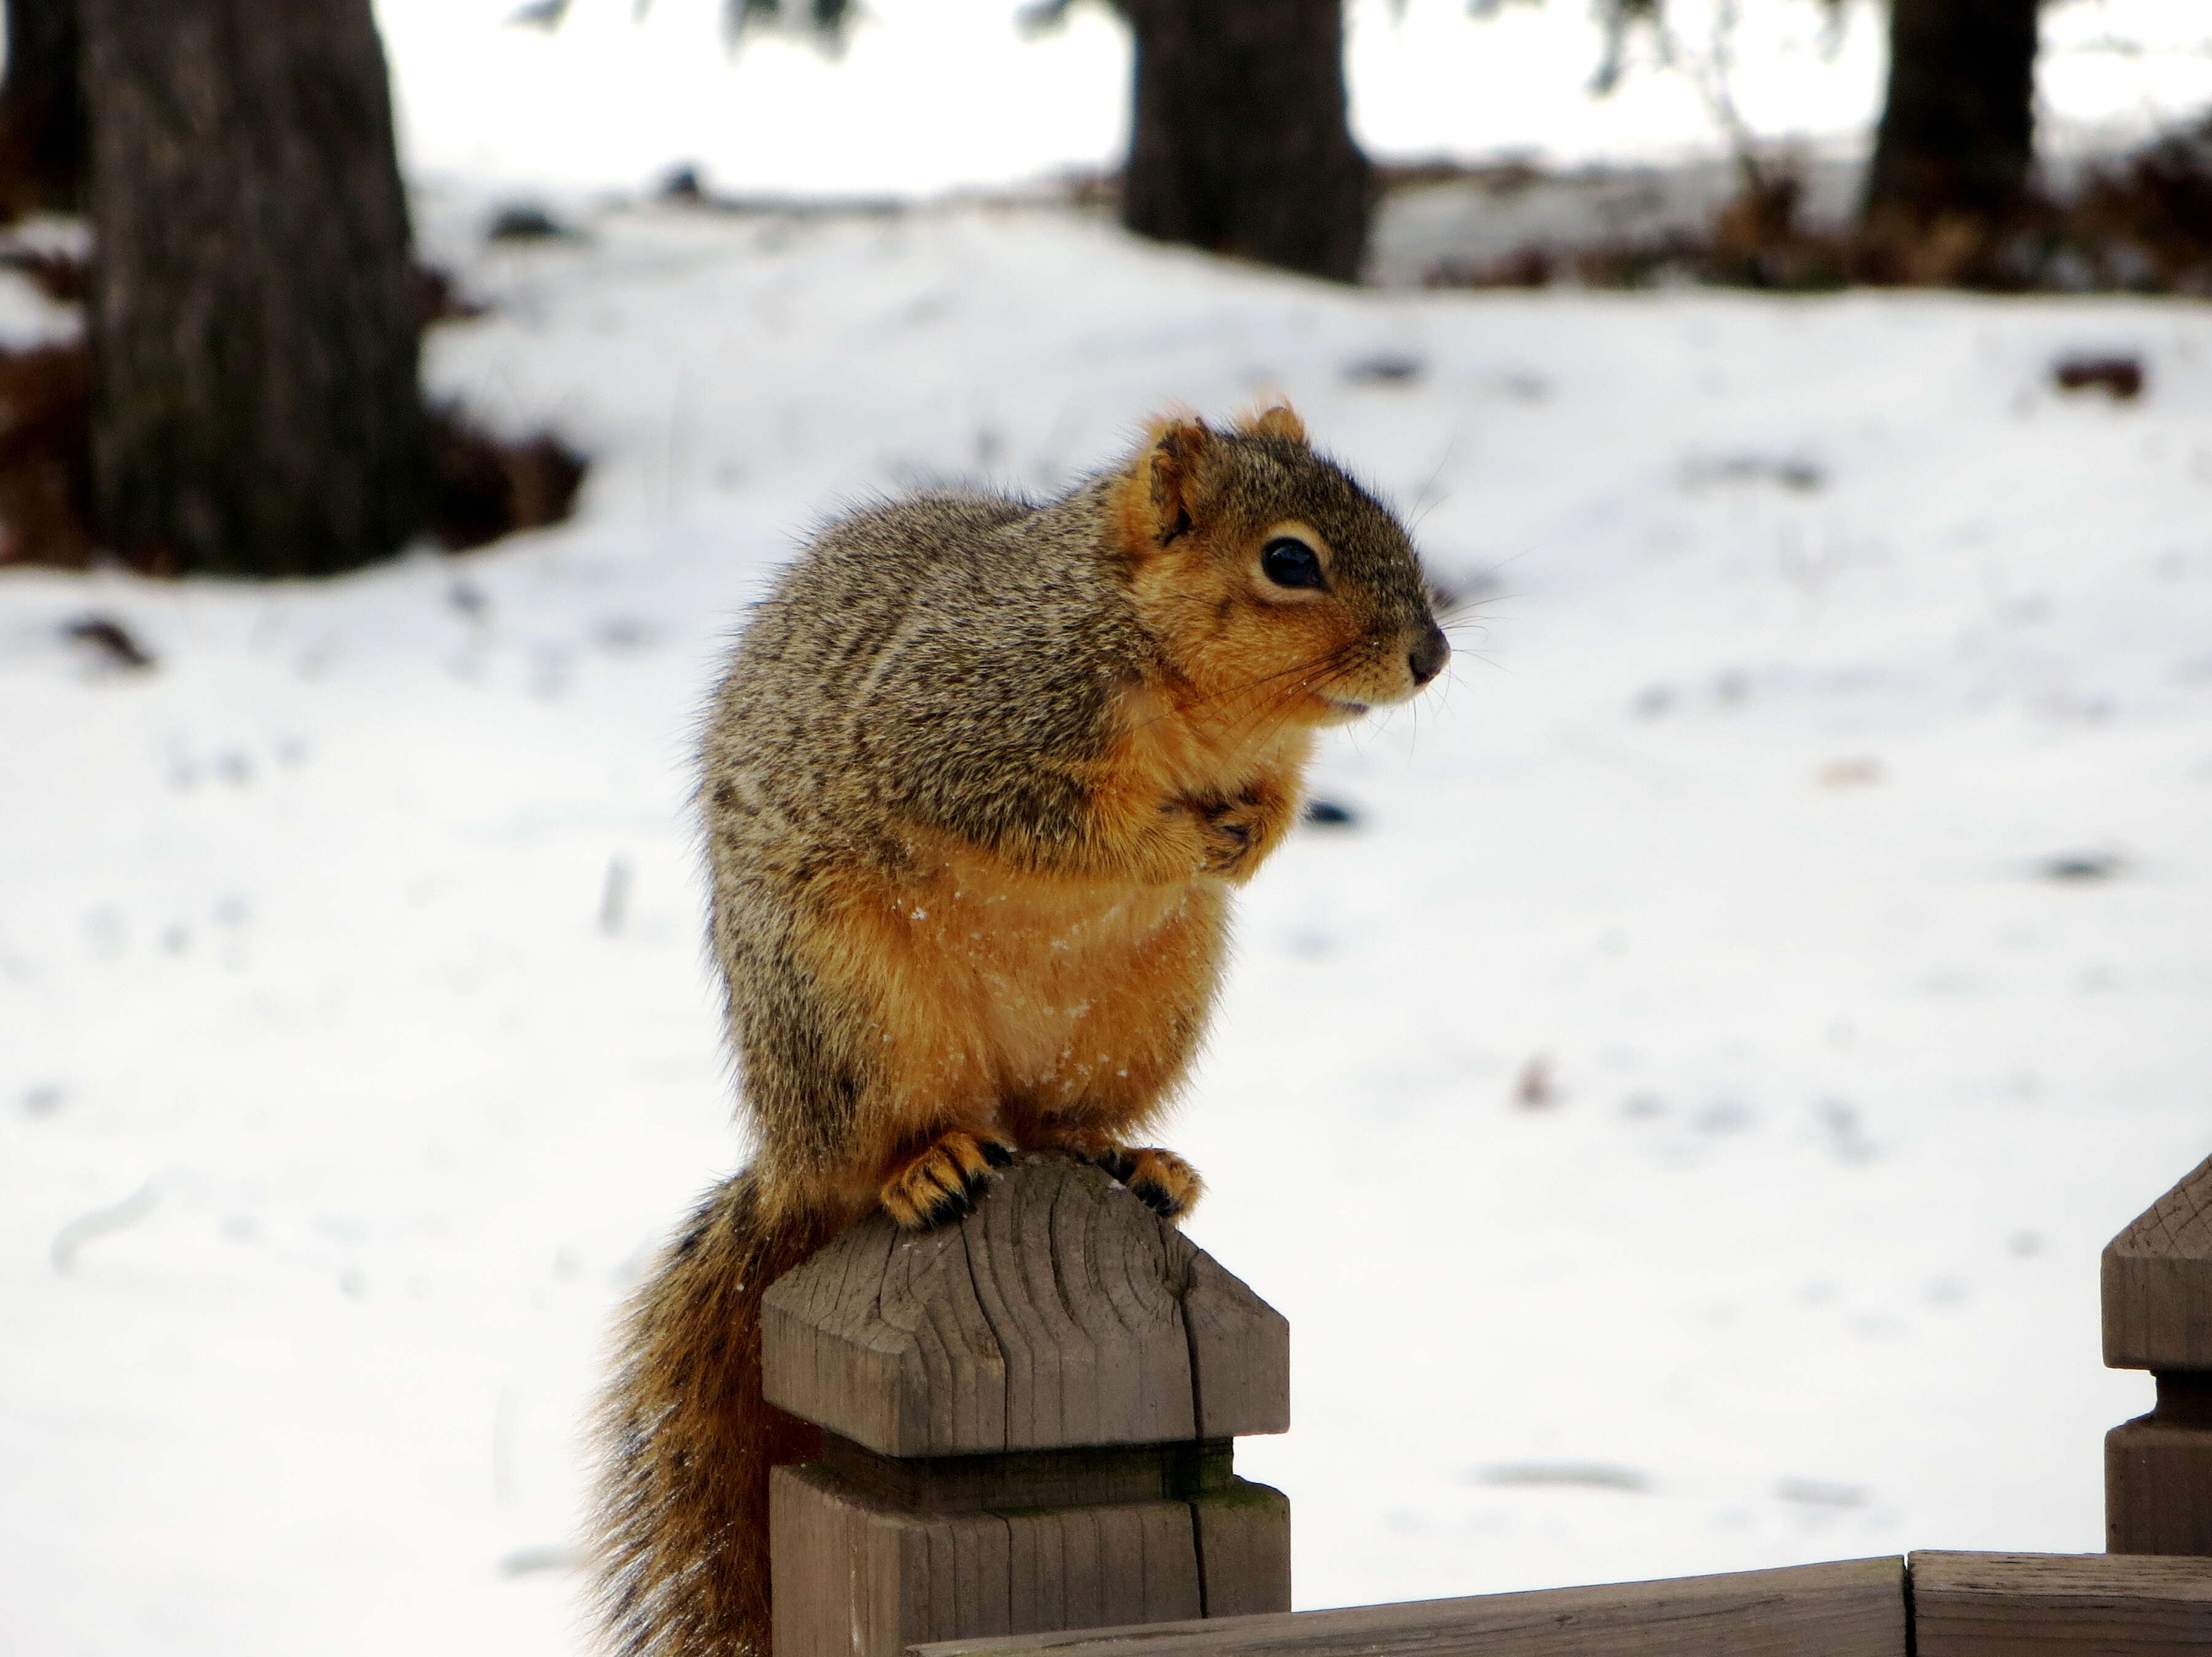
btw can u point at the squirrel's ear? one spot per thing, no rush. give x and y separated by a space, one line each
1167 474
1279 421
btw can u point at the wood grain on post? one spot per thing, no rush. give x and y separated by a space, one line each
1062 1313
1855 1608
2028 1605
2158 1283
2157 1286
1026 1422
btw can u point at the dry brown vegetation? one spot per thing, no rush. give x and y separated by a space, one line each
45 458
2141 223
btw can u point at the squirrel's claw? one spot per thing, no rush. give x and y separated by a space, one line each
1236 833
944 1182
1160 1180
1119 1162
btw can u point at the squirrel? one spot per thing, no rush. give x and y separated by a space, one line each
976 785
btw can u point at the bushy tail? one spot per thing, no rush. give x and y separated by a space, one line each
681 1527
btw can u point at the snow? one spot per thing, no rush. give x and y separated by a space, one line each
1678 1117
936 92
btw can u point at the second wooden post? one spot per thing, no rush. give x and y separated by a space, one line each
1027 1422
2157 1316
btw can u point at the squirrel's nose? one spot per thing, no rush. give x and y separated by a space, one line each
1428 657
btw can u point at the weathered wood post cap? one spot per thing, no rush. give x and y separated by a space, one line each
2157 1316
1027 1424
2157 1282
1063 1312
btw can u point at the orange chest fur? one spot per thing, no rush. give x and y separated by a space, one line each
1038 976
998 982
1186 747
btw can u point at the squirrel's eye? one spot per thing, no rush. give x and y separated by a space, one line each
1290 563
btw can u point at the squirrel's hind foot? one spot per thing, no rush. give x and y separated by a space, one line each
1162 1181
944 1182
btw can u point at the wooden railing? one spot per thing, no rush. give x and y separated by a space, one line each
1028 1423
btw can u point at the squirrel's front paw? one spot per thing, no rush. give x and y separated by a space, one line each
944 1182
1231 829
1165 1183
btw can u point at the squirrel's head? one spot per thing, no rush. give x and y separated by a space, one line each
1283 592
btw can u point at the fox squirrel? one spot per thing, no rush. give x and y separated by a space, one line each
977 783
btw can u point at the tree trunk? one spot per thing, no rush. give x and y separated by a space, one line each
41 110
253 318
1957 139
1239 144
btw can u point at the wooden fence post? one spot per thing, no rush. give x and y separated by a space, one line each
1026 1426
2157 1316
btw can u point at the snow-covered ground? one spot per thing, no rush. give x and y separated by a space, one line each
1680 1119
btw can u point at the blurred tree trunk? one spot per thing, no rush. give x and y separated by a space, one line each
1957 139
253 316
41 110
1239 144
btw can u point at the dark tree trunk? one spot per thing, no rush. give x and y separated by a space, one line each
1957 140
1239 144
41 110
254 321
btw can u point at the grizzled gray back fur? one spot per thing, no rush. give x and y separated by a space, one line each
924 661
